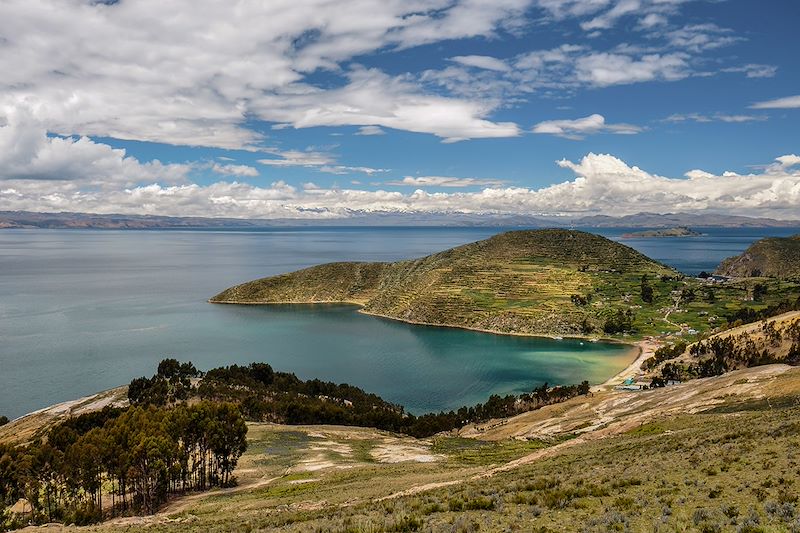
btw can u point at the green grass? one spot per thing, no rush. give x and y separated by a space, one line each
362 450
485 453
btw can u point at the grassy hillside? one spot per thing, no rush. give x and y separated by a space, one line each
710 455
772 340
515 282
550 282
774 257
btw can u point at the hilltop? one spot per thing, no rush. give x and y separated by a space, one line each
532 281
773 257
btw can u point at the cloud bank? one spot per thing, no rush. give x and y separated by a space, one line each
45 173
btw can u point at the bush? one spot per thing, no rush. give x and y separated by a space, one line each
480 503
406 523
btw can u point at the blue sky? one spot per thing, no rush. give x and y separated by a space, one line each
321 108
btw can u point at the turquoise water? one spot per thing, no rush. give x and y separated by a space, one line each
82 311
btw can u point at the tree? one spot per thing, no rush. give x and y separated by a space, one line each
759 291
227 439
646 290
619 321
171 383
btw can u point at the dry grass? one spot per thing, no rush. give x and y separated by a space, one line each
717 454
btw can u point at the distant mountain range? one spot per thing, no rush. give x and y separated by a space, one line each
29 219
705 220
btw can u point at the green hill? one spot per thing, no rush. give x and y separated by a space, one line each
542 281
773 257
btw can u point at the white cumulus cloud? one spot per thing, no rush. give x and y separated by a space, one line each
604 69
370 131
235 170
602 184
484 62
28 153
193 72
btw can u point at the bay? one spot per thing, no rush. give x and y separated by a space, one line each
86 310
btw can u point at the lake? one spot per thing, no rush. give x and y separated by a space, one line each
86 310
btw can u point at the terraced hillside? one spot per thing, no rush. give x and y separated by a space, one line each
542 281
774 257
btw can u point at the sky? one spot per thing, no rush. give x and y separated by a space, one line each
332 108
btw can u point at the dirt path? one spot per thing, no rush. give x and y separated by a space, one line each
674 308
616 413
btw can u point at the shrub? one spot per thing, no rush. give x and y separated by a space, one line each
481 503
406 523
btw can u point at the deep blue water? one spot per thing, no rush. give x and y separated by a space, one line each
691 255
83 310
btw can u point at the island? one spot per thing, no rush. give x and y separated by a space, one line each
679 231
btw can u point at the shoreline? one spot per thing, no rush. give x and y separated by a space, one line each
646 347
590 338
111 396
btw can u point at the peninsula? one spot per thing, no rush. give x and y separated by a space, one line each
550 282
545 282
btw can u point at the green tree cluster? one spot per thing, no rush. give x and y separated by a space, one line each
172 383
665 353
268 396
619 321
123 460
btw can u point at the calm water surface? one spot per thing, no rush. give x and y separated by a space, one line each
82 311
